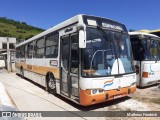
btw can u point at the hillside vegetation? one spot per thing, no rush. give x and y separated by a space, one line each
19 30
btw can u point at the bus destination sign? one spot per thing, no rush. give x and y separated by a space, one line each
112 26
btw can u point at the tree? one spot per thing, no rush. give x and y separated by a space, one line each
131 30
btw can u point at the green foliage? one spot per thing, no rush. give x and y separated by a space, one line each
131 30
19 30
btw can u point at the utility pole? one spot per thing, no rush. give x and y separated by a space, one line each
8 56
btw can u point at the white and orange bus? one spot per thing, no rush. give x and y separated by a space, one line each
146 52
86 59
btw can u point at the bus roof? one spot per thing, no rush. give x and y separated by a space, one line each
71 21
149 31
142 33
158 30
57 27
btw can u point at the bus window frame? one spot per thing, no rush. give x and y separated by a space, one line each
36 48
22 51
18 52
139 53
49 35
28 50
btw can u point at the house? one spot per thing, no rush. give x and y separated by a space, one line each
7 53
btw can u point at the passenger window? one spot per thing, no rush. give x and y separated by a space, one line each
26 51
40 48
22 51
17 52
135 48
52 46
30 50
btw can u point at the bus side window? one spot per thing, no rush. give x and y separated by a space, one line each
17 52
135 47
29 50
22 51
26 50
40 48
52 46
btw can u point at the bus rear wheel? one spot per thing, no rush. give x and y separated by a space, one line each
51 84
22 72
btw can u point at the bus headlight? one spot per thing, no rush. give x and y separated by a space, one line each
151 74
133 84
94 91
148 74
145 74
101 90
97 91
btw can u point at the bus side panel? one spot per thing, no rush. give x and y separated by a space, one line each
86 99
112 87
138 75
150 72
40 69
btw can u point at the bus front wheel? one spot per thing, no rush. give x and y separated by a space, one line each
51 83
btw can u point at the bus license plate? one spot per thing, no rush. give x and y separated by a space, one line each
117 96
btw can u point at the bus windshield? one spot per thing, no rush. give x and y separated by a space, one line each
103 51
150 49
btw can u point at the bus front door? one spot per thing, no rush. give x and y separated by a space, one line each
69 66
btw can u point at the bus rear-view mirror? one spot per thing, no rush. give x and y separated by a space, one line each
82 39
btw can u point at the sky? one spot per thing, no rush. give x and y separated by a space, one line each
135 14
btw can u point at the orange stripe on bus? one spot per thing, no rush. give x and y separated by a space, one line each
86 99
108 81
40 69
145 74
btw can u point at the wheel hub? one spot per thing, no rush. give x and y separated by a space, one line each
51 83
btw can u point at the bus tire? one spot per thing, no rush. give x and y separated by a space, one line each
51 83
22 72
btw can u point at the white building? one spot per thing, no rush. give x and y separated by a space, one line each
7 50
4 40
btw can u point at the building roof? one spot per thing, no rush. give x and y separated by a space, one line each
142 33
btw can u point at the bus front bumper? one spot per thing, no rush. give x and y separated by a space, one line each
87 100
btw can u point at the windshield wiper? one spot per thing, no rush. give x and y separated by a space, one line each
108 39
105 34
